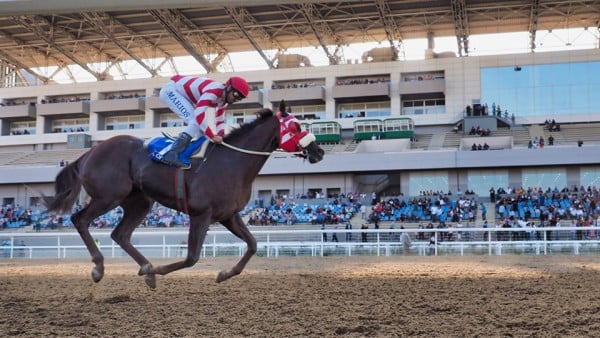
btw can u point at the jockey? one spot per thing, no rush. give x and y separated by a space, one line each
189 97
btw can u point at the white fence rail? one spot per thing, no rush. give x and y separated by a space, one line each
273 243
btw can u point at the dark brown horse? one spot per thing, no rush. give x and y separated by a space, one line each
118 172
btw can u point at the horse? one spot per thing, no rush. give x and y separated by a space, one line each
119 172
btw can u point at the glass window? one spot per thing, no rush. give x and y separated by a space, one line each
370 109
480 181
125 122
22 128
543 90
544 178
427 181
70 125
590 177
170 120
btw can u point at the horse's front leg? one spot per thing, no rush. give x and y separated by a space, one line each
198 229
236 225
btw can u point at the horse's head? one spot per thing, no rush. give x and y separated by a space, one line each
293 139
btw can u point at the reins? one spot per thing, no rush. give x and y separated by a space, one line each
252 152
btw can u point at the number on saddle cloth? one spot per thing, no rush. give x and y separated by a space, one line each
158 147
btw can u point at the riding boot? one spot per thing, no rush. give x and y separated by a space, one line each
178 146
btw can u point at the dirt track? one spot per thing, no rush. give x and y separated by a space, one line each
333 296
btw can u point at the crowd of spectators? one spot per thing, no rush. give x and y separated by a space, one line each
480 131
17 216
535 207
485 146
346 82
519 208
551 125
293 85
15 103
64 99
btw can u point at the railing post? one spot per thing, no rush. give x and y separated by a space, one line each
545 242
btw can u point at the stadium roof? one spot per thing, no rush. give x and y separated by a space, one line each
98 36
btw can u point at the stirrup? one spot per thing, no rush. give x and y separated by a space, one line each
176 164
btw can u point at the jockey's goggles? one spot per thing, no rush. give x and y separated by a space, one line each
237 95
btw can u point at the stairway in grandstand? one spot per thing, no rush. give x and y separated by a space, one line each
7 158
338 147
572 132
421 141
452 139
521 137
45 157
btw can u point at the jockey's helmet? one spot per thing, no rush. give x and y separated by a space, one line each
240 85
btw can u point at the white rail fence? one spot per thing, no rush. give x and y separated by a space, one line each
155 243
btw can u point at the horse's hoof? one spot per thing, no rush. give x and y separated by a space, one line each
97 274
222 276
150 280
145 269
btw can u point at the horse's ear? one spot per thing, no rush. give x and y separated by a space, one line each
265 112
282 109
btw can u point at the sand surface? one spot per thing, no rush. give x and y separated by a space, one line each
485 296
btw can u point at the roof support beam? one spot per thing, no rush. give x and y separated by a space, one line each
533 22
35 24
461 26
16 65
389 24
97 20
176 23
238 15
310 13
33 51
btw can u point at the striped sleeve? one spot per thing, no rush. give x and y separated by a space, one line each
220 119
207 99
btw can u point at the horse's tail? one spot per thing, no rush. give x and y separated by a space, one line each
66 188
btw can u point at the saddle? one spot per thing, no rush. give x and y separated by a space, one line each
158 146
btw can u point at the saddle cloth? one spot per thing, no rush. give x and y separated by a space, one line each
158 146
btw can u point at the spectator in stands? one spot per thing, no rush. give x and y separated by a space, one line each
483 211
364 234
405 240
363 212
551 140
492 195
431 245
348 234
334 237
6 244
324 233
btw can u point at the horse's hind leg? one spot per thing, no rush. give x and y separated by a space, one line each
81 220
237 227
135 207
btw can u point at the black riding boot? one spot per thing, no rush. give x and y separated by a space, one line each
179 145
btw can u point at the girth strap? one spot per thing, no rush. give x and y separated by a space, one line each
180 191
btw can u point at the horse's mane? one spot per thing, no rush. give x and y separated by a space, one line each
262 114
